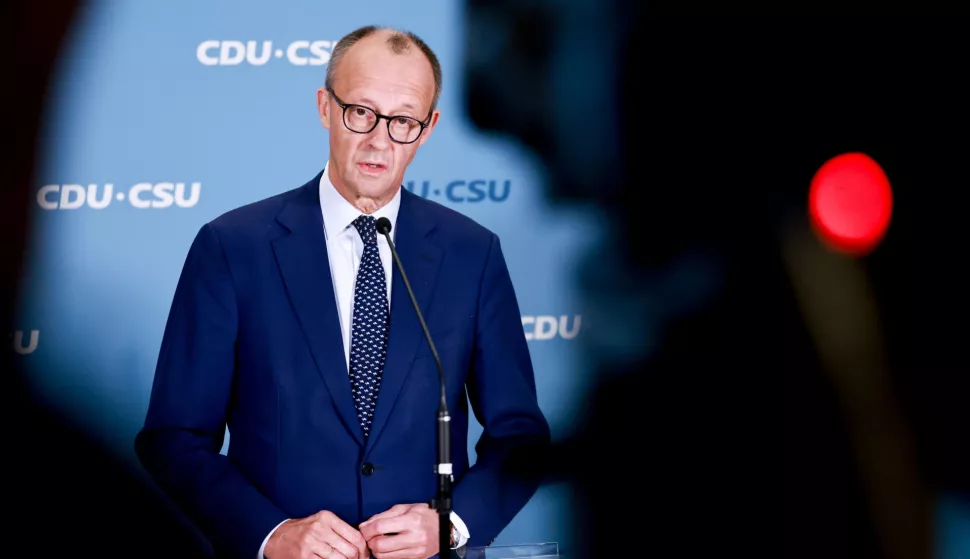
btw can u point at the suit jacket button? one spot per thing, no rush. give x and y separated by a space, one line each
367 468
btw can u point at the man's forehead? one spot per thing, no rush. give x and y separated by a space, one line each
405 83
382 85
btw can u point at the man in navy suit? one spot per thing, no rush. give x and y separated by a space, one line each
284 327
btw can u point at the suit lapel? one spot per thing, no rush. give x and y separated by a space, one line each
420 259
305 267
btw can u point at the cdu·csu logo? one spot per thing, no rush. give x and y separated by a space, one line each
259 53
547 327
143 196
25 343
463 191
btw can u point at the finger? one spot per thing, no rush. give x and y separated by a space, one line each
393 525
326 551
378 524
403 546
369 531
400 554
324 538
390 544
343 547
345 532
375 530
396 510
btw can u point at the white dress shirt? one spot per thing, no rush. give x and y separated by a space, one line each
345 249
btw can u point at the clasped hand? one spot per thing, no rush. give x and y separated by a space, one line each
414 528
401 532
322 535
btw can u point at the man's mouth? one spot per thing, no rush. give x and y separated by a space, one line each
367 165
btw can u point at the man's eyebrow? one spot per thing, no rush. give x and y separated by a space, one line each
372 103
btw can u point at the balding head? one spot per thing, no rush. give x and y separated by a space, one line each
397 41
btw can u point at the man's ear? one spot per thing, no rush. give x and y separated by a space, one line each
323 107
430 128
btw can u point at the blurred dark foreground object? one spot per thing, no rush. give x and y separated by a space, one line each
719 425
67 494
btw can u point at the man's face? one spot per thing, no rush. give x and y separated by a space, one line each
369 168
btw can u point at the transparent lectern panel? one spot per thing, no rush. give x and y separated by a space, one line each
547 550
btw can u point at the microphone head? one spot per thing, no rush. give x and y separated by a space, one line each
383 225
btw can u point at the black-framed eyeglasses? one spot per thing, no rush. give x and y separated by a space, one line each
362 120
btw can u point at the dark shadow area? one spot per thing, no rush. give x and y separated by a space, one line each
66 492
720 431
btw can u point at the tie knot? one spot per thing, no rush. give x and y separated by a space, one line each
367 227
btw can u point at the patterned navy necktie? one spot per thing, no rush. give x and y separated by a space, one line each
368 347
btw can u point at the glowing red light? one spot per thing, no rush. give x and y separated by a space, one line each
850 203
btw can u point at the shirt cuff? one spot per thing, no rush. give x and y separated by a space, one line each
463 534
262 548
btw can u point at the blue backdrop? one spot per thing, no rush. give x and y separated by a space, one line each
165 114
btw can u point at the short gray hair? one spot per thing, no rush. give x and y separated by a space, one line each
400 42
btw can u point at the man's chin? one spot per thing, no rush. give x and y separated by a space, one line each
376 190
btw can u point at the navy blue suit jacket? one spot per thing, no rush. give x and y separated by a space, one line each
253 341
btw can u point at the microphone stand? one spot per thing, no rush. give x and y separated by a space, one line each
442 501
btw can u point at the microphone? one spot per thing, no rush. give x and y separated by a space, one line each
442 502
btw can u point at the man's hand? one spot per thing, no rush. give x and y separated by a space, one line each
415 529
322 535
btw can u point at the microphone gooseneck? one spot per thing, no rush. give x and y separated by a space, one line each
442 502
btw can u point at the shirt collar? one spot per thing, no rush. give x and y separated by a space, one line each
339 214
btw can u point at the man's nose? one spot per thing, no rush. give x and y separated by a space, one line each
379 138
